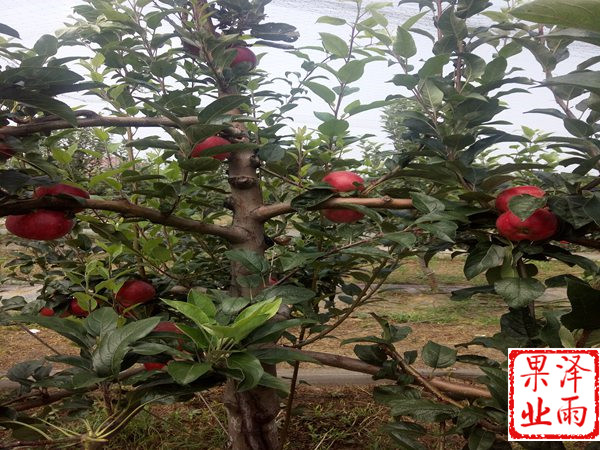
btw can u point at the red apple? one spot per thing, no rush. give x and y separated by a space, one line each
77 310
154 366
40 225
505 196
244 55
541 225
60 188
273 281
167 327
343 215
134 292
48 312
213 141
343 181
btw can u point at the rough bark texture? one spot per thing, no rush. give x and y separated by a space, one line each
251 414
251 418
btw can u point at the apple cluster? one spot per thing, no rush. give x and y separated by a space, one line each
541 225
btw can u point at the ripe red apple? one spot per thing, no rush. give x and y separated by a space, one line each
40 225
344 181
167 327
505 196
48 312
6 152
77 310
244 55
213 141
343 215
154 366
541 225
60 188
135 291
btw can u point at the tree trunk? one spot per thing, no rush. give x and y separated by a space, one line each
251 418
251 414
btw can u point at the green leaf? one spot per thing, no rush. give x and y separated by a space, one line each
404 44
40 101
311 198
423 410
101 321
269 381
250 367
221 106
356 108
290 294
480 439
584 79
279 355
114 345
431 93
200 164
334 44
187 372
254 262
191 311
404 238
273 31
525 205
351 71
434 66
334 127
74 331
271 330
426 203
5 29
47 45
202 301
567 13
519 292
372 354
331 20
163 68
483 258
322 91
438 356
585 306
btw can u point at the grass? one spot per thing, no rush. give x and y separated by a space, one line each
450 271
323 418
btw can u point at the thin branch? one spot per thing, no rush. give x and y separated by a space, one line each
267 212
126 209
53 397
356 365
37 338
40 126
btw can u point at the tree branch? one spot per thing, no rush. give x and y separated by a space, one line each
461 390
39 126
53 397
126 209
267 212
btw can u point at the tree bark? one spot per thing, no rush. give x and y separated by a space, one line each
251 414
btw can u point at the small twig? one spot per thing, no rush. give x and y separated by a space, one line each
212 413
290 400
583 338
37 338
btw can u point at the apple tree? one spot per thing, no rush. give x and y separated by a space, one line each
216 237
